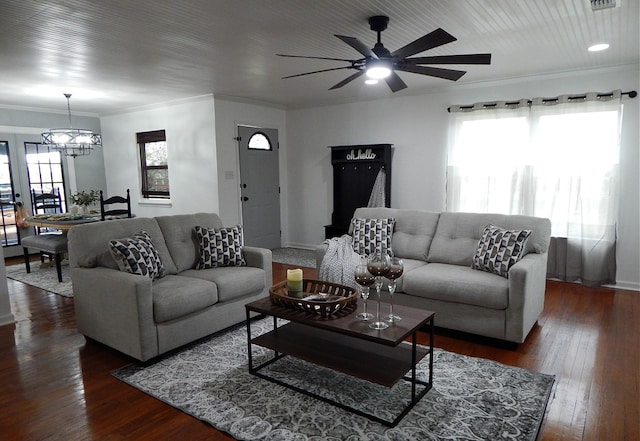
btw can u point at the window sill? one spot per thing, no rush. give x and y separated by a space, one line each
155 203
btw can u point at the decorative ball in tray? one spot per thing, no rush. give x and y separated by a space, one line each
318 297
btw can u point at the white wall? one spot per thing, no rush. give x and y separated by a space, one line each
191 143
6 316
230 114
417 127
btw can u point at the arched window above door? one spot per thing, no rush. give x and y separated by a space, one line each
259 141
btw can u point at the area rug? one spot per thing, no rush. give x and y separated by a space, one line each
294 256
44 277
472 398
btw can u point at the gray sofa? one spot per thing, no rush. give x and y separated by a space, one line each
437 250
144 318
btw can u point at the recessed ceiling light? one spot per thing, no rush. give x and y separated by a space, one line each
598 47
370 81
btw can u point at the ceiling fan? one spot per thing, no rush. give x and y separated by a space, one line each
379 63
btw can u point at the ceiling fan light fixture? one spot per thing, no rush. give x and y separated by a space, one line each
378 70
379 63
370 81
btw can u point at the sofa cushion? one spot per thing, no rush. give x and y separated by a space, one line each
177 296
232 281
499 249
220 247
457 284
412 233
372 235
408 265
137 255
457 235
180 238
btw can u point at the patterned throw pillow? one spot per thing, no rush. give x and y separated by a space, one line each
372 235
137 255
499 249
221 247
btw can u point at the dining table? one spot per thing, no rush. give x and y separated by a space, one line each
61 221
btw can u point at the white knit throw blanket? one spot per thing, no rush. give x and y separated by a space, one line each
339 262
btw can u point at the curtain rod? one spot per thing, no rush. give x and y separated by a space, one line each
631 93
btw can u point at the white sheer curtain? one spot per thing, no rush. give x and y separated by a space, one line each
548 158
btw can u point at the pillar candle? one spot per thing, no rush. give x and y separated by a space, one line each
294 281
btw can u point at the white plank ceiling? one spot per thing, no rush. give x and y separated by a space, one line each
120 54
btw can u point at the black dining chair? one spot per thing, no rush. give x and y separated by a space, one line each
50 243
116 212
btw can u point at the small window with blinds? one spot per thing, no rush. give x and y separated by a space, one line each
154 164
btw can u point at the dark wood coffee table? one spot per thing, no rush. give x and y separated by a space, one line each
346 344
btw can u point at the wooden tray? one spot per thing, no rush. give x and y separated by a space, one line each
318 297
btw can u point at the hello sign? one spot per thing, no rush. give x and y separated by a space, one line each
367 154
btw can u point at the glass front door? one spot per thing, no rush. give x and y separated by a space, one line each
9 233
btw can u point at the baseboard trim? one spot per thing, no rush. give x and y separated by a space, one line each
7 319
304 246
631 286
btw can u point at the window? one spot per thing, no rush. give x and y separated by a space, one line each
259 141
44 170
558 160
154 165
547 161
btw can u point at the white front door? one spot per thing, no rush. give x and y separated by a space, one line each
260 186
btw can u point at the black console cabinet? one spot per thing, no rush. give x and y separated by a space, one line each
355 168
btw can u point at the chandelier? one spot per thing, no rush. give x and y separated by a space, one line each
71 142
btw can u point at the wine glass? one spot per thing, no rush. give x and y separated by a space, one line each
378 265
396 268
365 279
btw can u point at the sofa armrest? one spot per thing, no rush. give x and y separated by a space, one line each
116 308
527 284
257 257
260 258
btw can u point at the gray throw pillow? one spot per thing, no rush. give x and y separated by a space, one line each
372 235
499 249
220 247
137 255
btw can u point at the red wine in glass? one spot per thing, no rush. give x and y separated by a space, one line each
365 279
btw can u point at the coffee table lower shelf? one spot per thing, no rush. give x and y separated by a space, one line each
380 364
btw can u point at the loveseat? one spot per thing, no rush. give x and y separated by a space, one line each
438 251
144 318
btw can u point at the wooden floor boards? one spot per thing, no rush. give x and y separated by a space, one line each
54 385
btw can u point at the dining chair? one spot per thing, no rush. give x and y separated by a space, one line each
52 244
119 212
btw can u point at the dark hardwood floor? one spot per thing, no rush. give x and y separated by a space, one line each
55 385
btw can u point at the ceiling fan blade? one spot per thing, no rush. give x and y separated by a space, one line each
429 41
316 58
358 45
451 59
447 74
318 71
395 83
348 80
